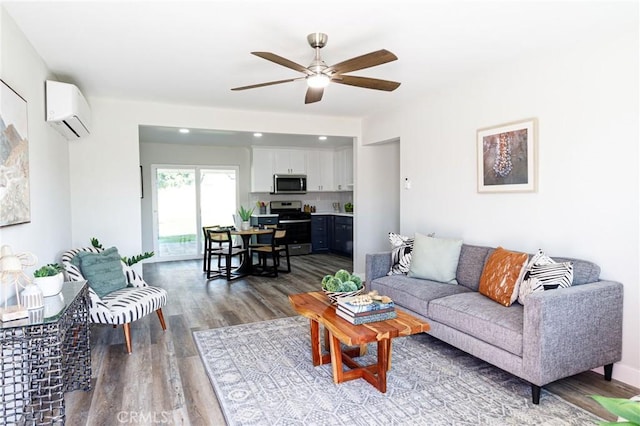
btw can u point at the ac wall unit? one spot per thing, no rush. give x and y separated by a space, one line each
67 110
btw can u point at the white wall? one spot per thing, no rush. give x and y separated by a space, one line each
105 167
377 203
586 206
48 233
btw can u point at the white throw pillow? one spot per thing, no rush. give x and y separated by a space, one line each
435 259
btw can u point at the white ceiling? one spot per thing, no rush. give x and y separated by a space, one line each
194 52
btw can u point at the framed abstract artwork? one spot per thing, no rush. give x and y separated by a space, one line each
15 204
507 157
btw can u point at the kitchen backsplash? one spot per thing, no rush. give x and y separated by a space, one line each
322 200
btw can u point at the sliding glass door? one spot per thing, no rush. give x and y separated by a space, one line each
186 198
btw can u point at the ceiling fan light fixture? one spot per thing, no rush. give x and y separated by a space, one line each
318 81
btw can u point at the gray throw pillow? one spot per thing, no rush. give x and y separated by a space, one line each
435 259
103 271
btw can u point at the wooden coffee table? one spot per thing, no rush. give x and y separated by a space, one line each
317 307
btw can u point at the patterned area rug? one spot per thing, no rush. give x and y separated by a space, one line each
263 375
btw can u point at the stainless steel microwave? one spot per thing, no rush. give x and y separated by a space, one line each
289 184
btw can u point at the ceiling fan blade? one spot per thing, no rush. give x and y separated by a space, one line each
366 82
282 61
270 83
313 95
368 60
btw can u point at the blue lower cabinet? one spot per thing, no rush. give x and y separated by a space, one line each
342 235
320 233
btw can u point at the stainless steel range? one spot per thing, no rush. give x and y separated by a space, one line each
296 222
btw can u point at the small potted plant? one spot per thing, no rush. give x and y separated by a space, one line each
49 279
245 215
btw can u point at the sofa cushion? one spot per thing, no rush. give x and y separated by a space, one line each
435 259
471 264
502 275
481 317
584 272
412 293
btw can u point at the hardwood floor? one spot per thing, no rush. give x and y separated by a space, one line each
164 382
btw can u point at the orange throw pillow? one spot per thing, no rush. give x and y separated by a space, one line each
502 274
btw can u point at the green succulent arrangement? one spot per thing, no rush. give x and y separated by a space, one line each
127 260
342 281
245 214
49 270
621 407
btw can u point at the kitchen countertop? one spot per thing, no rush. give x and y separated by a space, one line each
332 214
328 213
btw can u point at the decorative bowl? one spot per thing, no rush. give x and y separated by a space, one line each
333 295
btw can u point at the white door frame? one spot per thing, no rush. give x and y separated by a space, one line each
154 204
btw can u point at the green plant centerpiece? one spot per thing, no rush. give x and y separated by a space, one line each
127 260
245 215
348 207
49 270
628 410
340 284
49 278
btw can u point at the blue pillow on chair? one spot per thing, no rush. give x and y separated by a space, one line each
102 270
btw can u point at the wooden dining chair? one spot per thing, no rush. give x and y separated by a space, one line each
222 246
209 246
273 251
206 258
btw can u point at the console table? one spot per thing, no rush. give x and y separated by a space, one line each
44 357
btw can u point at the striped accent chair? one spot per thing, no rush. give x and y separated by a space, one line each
123 306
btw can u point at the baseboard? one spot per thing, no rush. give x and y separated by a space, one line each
623 373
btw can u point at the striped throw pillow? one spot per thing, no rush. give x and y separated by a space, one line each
543 273
401 248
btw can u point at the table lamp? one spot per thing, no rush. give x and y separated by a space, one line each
12 273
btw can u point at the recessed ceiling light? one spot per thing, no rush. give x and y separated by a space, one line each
257 135
322 138
184 130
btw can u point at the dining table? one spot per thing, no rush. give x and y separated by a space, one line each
246 266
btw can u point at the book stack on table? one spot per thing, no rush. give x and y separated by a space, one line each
357 313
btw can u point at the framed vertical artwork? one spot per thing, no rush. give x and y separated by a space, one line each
15 204
507 157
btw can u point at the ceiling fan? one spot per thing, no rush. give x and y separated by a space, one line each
318 75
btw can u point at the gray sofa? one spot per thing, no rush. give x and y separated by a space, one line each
556 334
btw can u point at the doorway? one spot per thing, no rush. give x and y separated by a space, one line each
186 198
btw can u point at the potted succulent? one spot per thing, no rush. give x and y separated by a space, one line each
245 215
49 279
342 283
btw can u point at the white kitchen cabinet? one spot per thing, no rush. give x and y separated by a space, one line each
262 162
326 169
290 161
343 173
320 170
